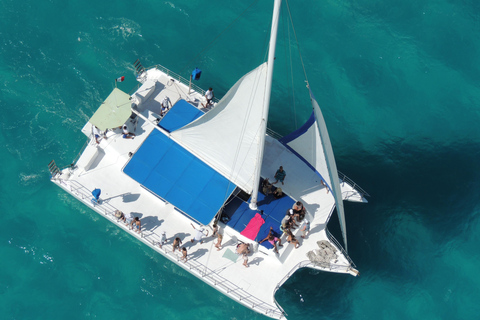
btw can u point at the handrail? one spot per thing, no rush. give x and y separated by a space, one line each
335 241
274 134
217 281
352 183
180 79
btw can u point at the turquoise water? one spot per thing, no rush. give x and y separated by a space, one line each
399 87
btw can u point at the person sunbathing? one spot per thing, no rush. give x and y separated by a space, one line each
273 240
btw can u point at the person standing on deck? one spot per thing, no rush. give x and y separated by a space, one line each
209 96
176 244
199 235
280 175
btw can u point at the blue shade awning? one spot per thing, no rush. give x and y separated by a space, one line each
174 174
181 114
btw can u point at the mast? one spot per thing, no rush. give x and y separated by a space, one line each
263 129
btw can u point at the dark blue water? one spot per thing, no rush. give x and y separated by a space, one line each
398 84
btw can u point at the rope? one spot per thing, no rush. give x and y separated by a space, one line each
218 36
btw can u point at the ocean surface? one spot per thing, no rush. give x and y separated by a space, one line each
399 86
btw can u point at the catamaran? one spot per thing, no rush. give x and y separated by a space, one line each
155 170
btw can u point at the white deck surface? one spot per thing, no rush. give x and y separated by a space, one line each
256 284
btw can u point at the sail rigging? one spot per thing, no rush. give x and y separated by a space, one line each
312 143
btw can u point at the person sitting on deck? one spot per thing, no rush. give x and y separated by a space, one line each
165 106
299 211
293 218
285 223
163 240
243 248
120 216
273 240
291 239
266 187
127 134
280 175
136 223
96 133
199 235
278 193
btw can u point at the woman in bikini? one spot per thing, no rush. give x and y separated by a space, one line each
273 240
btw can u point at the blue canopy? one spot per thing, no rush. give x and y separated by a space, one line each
181 114
177 176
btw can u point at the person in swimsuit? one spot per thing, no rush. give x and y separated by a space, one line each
136 223
176 244
184 254
273 240
291 239
242 248
218 245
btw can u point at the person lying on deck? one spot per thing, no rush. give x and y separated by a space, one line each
273 240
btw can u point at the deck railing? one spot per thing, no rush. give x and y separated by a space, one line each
352 183
335 241
198 269
180 79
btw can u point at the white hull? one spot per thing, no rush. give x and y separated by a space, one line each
254 287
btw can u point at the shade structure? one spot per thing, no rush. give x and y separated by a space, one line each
178 177
113 112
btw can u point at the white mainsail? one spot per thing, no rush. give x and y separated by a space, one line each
312 143
228 136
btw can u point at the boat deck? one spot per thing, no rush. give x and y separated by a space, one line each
101 166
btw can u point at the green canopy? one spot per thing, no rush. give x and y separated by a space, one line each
113 112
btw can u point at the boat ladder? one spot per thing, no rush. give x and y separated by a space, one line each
54 170
138 67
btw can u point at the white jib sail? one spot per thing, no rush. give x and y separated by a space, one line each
227 137
313 144
331 167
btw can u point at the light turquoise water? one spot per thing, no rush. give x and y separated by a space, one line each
399 87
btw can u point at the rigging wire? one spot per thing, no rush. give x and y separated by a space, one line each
218 36
298 45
